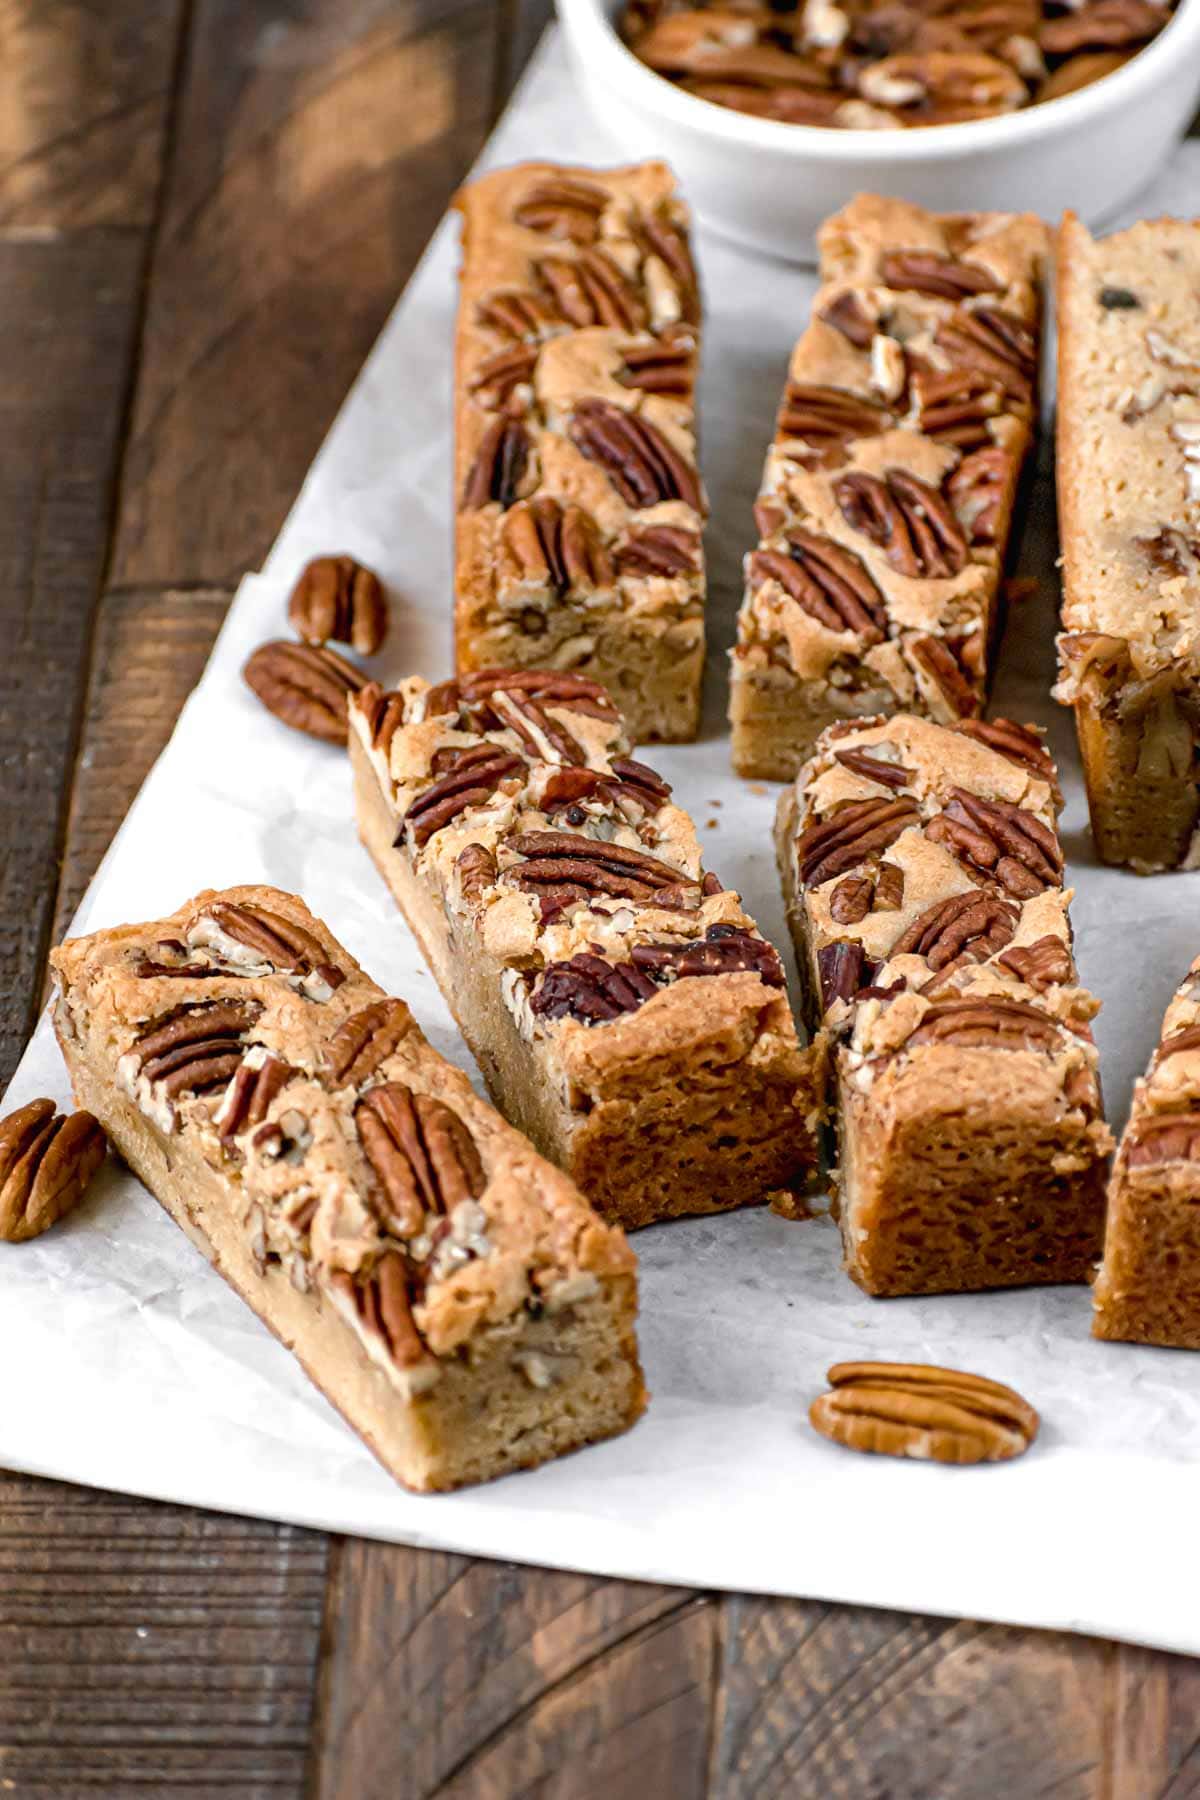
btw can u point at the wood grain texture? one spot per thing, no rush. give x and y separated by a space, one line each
315 148
85 91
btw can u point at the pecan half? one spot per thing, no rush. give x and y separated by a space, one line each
966 928
1043 964
830 583
1019 743
258 1080
593 289
910 521
1102 24
638 458
558 863
842 970
930 272
384 714
954 406
574 693
195 1047
1173 1138
658 236
979 492
1001 841
829 418
988 1024
667 550
882 890
337 597
520 313
666 366
363 1042
558 546
937 659
874 768
995 343
847 314
273 941
498 376
917 1410
841 842
471 780
563 206
424 1157
541 735
380 1307
724 950
591 989
499 466
307 688
47 1160
477 871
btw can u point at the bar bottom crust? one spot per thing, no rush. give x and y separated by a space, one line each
1148 1289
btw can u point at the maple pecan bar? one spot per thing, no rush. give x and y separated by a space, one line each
580 506
450 1292
888 493
1148 1287
923 874
624 1009
1129 506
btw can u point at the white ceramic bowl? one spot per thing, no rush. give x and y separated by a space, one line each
769 185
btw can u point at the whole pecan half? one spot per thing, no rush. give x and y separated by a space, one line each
979 491
1019 743
424 1157
667 550
847 315
935 656
307 688
881 890
965 928
543 736
830 583
829 418
558 863
499 466
911 521
724 950
636 790
843 841
384 714
363 1042
337 597
999 840
47 1160
1102 24
1173 1138
665 366
994 343
524 314
593 289
874 768
255 1084
497 377
195 1047
271 939
917 1410
954 406
988 1024
471 780
842 970
477 871
574 693
931 272
557 546
1043 964
638 458
563 206
590 989
379 1304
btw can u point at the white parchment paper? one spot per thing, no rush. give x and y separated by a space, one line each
140 1370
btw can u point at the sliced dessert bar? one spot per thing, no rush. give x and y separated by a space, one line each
625 1011
450 1292
888 494
1148 1288
1129 510
579 503
923 875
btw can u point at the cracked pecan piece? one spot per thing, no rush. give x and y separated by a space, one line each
337 597
931 272
658 236
1102 25
560 866
967 927
364 1042
497 377
380 1307
847 314
843 970
557 545
274 943
590 989
477 871
195 1047
840 843
637 791
667 550
471 780
989 1024
911 522
937 659
575 693
874 768
593 289
500 466
638 458
994 343
665 366
724 950
954 406
1000 841
882 890
1019 743
1043 964
563 207
979 492
829 582
829 418
523 314
1173 1138
305 687
259 1079
47 1160
384 714
425 1160
918 1410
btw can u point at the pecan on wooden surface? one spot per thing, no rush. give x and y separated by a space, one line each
47 1160
918 1410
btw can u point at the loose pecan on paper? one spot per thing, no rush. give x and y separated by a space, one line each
916 1410
47 1160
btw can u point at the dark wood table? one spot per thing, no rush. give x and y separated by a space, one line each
207 208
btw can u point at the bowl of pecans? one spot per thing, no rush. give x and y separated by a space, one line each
774 115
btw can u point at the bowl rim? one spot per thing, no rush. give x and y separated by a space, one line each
590 25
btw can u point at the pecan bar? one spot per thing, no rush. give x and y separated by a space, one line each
923 874
623 1008
1148 1288
1129 506
888 494
579 503
450 1292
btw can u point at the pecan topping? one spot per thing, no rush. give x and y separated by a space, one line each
499 466
842 969
850 901
256 1083
954 405
638 458
591 989
563 207
195 1047
1001 841
915 1409
966 928
873 768
272 941
1046 963
667 366
47 1160
477 692
829 418
725 950
471 780
558 546
477 871
499 375
541 735
847 314
658 236
842 842
1019 743
423 1155
384 714
338 598
309 689
942 667
520 313
363 1042
1173 1138
987 1024
668 550
380 1306
942 86
593 289
910 521
978 491
830 583
994 342
1102 24
929 272
560 866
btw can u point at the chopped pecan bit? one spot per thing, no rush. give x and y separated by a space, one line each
915 1409
194 1048
658 236
889 888
384 714
667 550
1172 1138
724 950
477 871
423 1155
520 313
796 105
1019 743
337 597
874 768
498 375
850 901
561 863
636 781
471 780
955 405
929 272
830 583
842 969
942 87
979 492
937 659
590 989
638 458
1102 24
272 940
987 1024
499 466
363 1042
47 1160
1188 1039
1172 550
307 688
829 418
847 314
557 545
842 842
1043 964
770 516
911 522
260 1078
1001 841
379 1303
562 206
967 927
574 693
174 959
593 289
666 366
